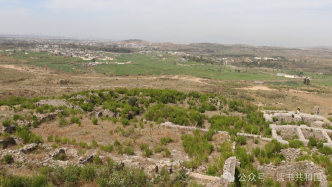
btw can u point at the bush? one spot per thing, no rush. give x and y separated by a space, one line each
158 149
27 136
166 140
326 150
312 142
241 139
94 144
256 141
88 173
50 138
148 152
117 143
62 122
7 122
95 121
124 121
295 143
39 181
212 170
167 152
129 151
132 101
16 117
196 146
75 120
143 146
84 145
61 156
106 148
97 160
8 159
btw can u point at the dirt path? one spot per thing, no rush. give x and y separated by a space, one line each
255 88
322 102
193 79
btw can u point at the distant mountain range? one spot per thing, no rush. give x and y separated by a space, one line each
321 47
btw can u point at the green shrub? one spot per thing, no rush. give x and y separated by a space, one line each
157 149
241 140
106 148
117 143
50 138
97 160
211 170
28 137
167 152
256 141
61 156
166 140
256 151
132 101
326 150
7 122
84 145
88 173
124 121
148 152
312 142
94 144
75 120
62 122
95 121
16 117
274 119
295 143
143 146
320 145
196 146
129 151
8 159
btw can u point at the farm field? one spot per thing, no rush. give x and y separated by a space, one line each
144 65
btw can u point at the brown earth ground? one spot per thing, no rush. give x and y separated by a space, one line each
20 79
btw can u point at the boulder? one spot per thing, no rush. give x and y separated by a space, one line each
88 159
29 148
10 129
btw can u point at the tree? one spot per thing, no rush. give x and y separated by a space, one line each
306 81
132 101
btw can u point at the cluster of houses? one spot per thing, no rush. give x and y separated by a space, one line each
90 64
265 58
292 76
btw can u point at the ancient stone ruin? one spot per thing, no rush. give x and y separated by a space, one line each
188 128
50 116
277 116
302 133
105 113
290 172
56 103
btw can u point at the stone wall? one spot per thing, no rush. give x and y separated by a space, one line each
288 116
317 134
303 133
188 128
56 103
50 116
288 171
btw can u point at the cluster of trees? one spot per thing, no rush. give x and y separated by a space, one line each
306 81
108 48
198 147
268 64
198 59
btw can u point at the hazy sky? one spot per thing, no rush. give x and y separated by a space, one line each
289 23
